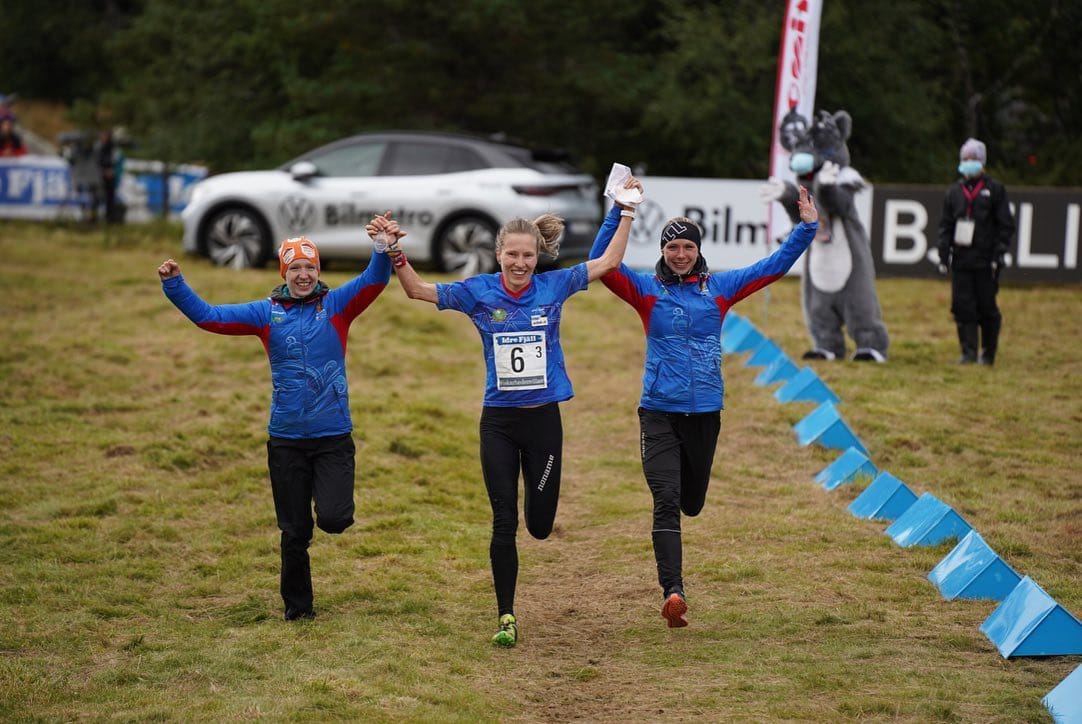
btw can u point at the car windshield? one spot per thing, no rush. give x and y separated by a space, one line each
358 159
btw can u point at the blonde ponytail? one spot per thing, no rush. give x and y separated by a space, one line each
547 229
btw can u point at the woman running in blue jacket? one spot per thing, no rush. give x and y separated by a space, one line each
303 326
517 314
682 306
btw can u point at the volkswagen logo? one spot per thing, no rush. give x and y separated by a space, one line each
296 213
647 228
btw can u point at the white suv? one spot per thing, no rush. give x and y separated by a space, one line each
450 192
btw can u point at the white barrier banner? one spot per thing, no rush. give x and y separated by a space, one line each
36 187
145 188
732 218
729 211
41 187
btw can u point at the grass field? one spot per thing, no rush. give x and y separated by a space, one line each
138 548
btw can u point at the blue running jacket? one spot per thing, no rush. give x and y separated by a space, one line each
683 320
524 363
306 344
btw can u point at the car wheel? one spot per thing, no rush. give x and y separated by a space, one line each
467 246
237 237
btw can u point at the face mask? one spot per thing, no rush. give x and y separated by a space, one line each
970 168
801 163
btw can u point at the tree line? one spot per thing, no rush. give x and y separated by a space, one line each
683 87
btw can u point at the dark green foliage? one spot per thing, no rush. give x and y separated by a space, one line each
683 86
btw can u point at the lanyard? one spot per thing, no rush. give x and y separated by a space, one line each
970 196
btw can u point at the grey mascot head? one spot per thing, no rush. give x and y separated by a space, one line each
813 145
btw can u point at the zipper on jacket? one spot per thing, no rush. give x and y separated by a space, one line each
304 336
687 344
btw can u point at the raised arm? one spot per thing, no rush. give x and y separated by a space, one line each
806 207
415 287
233 319
736 284
613 256
605 232
384 229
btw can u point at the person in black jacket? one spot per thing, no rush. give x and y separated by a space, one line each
111 165
975 233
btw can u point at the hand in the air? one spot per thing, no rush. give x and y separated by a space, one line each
632 183
168 269
384 231
806 205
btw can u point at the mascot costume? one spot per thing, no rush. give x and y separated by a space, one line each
838 286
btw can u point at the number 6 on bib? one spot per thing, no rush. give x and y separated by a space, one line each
521 360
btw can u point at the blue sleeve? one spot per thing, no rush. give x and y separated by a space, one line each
606 232
354 296
580 278
459 296
736 284
378 271
569 281
602 240
247 318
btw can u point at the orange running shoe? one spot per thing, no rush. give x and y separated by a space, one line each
673 610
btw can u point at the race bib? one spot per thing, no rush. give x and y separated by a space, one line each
963 232
521 362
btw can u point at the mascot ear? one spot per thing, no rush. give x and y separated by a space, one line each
793 128
845 124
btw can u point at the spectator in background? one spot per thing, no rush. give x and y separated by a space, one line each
110 161
975 234
11 144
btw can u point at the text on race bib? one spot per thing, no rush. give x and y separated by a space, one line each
521 360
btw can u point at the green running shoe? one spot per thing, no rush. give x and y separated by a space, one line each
507 636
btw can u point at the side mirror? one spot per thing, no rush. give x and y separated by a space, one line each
303 170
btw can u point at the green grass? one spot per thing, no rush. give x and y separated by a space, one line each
138 548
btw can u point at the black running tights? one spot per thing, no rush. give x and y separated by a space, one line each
514 439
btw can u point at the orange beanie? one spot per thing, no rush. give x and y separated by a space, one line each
298 248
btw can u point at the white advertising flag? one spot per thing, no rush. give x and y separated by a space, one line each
798 60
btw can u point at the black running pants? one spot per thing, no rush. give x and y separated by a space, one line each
513 440
677 453
318 470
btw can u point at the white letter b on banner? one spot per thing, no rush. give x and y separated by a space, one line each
892 231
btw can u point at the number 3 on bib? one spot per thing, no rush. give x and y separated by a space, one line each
521 360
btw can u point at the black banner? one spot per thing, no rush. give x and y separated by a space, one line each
905 232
